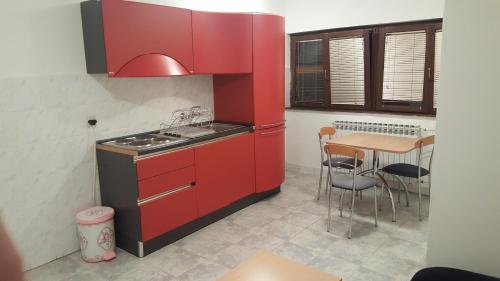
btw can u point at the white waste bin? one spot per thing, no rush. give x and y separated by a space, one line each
96 234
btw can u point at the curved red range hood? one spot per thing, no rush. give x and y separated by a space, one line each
151 65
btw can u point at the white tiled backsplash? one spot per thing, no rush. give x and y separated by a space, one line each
47 147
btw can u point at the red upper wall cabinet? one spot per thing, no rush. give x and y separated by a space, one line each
268 70
146 40
222 42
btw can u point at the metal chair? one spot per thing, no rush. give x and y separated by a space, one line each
337 162
447 274
399 170
352 181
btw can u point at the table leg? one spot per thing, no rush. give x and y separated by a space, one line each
385 185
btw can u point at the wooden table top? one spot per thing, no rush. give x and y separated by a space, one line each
377 142
267 266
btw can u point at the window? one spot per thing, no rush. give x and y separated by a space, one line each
348 66
437 65
390 68
309 77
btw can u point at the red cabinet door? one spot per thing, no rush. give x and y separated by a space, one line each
146 40
268 70
168 212
225 172
269 158
222 42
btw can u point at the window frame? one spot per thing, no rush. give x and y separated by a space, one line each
374 39
293 65
428 88
365 33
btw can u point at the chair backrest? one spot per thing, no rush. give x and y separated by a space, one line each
343 150
326 131
421 142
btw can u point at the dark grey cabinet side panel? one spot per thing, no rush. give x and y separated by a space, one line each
93 36
118 184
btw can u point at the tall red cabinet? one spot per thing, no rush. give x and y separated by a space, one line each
258 98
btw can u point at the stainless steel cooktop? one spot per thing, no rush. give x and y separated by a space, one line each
163 139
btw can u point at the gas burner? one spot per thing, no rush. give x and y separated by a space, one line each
160 139
140 143
172 134
145 137
124 141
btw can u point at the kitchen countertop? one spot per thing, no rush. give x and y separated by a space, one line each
192 141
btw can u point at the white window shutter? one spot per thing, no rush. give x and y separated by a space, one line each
437 64
347 71
404 66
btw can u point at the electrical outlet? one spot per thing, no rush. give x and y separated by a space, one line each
92 121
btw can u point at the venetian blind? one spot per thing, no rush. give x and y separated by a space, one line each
437 64
404 66
309 71
347 71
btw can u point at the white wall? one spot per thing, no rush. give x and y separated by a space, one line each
46 97
326 14
465 210
260 6
303 126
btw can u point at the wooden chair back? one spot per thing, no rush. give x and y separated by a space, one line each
352 152
424 141
326 131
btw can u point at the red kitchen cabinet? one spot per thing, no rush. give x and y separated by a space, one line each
233 98
166 182
269 158
259 97
165 213
163 163
222 42
146 40
225 172
268 70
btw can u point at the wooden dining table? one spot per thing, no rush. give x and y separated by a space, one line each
378 143
268 266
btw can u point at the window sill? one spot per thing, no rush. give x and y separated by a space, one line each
361 112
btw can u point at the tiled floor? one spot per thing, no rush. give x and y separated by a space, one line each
292 224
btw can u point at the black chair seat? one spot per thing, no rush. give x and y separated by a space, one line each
449 274
345 182
343 162
405 170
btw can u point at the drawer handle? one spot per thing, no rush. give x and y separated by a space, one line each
273 124
164 194
273 132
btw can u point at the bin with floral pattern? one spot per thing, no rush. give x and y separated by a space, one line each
96 234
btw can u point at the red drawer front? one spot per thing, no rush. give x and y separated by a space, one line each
269 158
164 182
157 165
167 213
